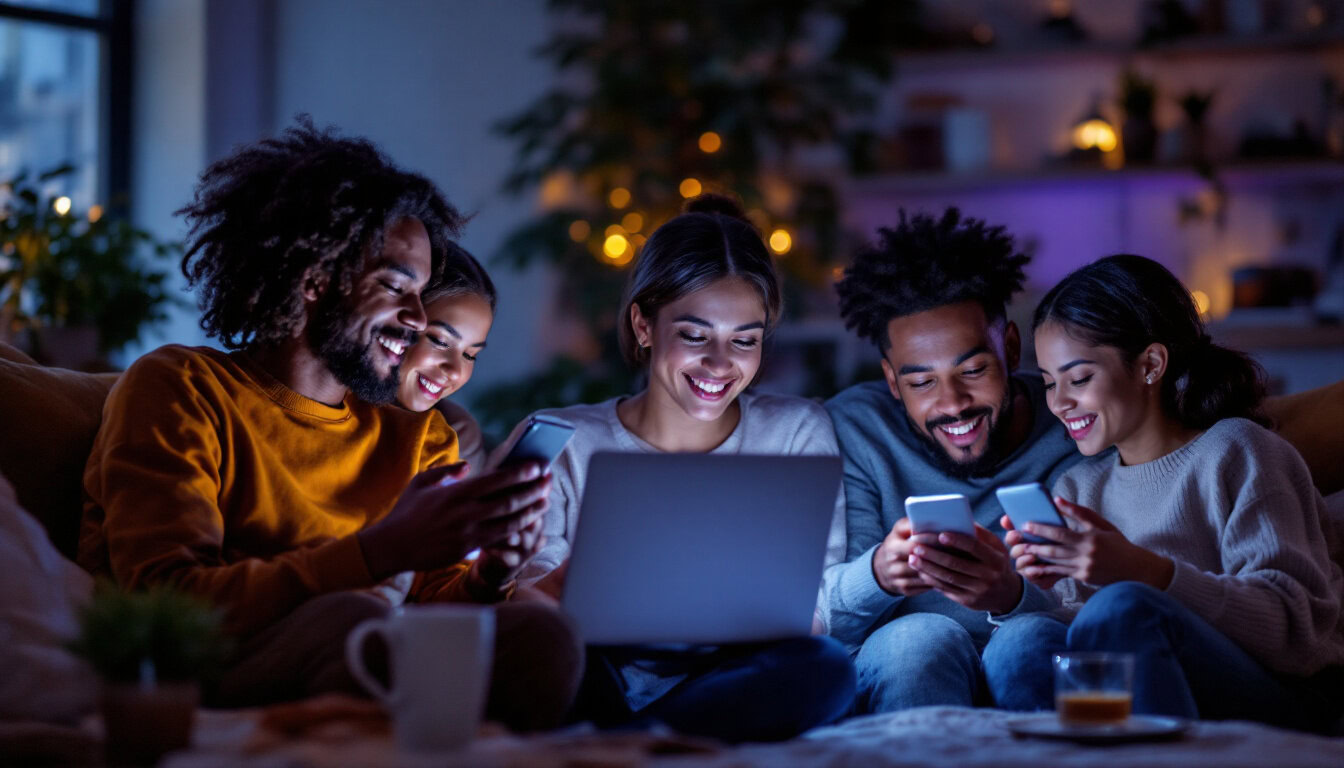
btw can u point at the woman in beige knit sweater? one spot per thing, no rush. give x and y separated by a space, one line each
1199 544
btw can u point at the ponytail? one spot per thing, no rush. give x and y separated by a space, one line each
1128 302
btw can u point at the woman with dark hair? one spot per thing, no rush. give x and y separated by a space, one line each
1199 544
701 299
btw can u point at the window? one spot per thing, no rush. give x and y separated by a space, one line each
63 94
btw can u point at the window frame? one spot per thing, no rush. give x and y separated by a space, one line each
113 24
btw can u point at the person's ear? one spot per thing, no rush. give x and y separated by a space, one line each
889 373
642 326
314 285
1012 346
1153 363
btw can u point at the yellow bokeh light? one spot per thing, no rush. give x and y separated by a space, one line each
579 230
95 213
780 241
61 205
638 240
632 222
710 142
615 246
690 187
614 229
1201 301
1094 133
619 197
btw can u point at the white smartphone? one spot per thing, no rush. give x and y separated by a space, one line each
1029 503
541 440
935 514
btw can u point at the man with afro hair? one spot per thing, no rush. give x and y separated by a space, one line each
269 479
952 416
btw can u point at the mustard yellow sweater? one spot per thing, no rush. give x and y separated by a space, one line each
209 474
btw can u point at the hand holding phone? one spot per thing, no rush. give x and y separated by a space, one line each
1029 503
540 440
936 514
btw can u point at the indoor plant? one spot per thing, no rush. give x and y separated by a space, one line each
1138 134
74 285
151 650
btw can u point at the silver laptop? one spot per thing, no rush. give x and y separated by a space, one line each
699 548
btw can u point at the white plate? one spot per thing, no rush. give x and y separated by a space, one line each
1136 728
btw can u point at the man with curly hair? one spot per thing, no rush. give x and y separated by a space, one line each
952 416
269 480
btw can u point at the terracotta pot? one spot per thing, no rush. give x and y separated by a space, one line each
141 724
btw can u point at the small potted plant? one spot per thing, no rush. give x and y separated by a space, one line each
77 283
1138 134
151 650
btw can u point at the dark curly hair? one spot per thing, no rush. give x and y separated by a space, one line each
304 204
926 263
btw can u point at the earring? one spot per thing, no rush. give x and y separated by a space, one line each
1148 379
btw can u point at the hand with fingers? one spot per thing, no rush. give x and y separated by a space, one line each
891 562
440 517
1091 551
973 571
500 563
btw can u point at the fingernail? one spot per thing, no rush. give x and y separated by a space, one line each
533 470
919 550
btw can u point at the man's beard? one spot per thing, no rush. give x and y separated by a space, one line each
985 464
350 361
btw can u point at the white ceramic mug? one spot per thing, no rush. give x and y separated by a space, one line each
440 658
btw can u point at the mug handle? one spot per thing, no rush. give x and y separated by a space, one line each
354 656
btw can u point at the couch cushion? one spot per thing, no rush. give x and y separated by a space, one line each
49 418
1313 421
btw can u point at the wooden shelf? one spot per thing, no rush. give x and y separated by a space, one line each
1243 175
1200 46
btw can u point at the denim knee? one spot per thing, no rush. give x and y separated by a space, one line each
916 660
826 671
1017 661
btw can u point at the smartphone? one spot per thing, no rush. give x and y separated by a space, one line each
540 440
935 514
1029 503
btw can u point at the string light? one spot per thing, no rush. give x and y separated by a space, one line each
61 205
579 230
619 198
632 222
615 246
710 142
1094 133
95 213
780 241
1201 301
614 229
690 187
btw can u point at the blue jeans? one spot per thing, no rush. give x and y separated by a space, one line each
756 692
1182 665
916 660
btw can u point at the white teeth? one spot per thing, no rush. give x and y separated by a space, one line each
709 387
396 347
1077 424
430 386
961 430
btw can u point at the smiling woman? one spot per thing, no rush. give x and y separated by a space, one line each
701 300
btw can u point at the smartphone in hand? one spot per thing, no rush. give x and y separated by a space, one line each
540 440
935 514
1029 503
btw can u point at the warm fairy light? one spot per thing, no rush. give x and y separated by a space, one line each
619 197
1201 301
690 187
1315 15
61 205
579 230
632 222
780 241
1061 8
614 229
638 240
1094 133
837 274
982 33
615 247
95 213
710 142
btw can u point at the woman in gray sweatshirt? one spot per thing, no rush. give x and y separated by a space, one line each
1199 544
703 295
